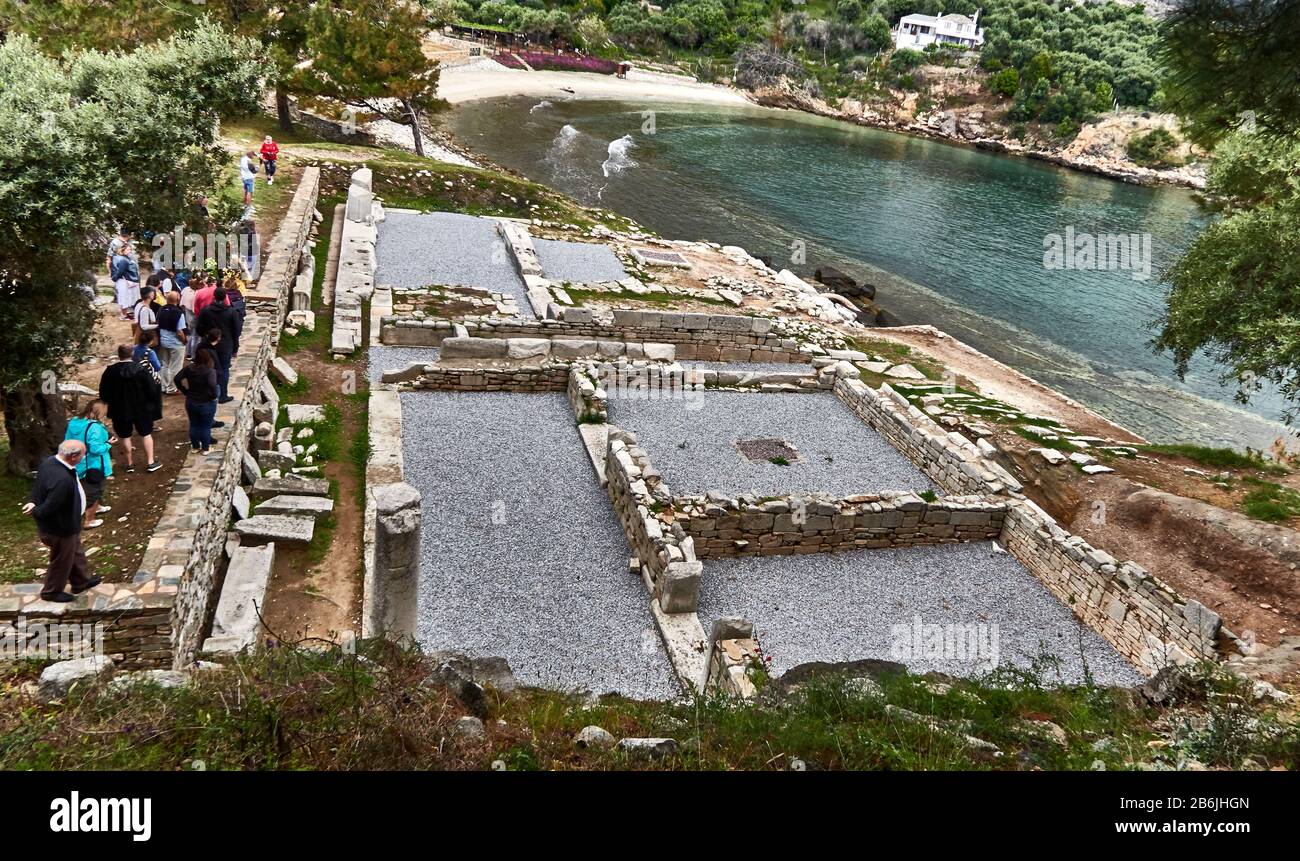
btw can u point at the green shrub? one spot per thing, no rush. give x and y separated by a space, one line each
1154 149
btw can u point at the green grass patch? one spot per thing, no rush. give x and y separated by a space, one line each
291 708
17 530
1217 458
317 340
581 296
1270 502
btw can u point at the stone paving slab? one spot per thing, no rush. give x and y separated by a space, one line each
846 606
578 262
522 554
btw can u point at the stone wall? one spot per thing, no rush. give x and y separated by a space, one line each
950 460
817 523
391 529
589 401
1140 616
552 377
666 552
697 337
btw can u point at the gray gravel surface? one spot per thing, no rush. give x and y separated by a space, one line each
578 262
395 358
445 248
844 606
841 454
522 556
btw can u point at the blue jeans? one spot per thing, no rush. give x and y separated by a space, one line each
223 372
201 416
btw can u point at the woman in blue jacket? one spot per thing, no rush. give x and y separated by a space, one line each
95 468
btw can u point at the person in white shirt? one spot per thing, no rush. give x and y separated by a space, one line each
145 319
248 173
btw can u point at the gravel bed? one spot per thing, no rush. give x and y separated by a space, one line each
522 556
844 606
383 358
445 248
578 262
840 454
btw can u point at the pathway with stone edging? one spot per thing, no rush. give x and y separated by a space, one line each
523 557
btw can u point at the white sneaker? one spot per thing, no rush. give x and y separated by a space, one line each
94 524
105 509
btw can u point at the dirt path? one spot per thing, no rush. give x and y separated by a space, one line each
316 593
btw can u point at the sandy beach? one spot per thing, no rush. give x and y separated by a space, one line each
485 79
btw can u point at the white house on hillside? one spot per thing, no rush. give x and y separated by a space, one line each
917 31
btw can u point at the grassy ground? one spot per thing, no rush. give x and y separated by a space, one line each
379 709
18 542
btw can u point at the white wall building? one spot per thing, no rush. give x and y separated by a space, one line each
917 31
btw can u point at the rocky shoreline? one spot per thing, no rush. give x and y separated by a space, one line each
948 126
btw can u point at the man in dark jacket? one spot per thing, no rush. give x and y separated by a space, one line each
220 316
57 504
134 403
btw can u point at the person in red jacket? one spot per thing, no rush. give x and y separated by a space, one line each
270 152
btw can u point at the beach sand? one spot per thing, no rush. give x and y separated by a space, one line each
484 79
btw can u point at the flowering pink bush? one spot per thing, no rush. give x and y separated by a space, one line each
557 62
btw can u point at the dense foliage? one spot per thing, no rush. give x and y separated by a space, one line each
1234 294
77 161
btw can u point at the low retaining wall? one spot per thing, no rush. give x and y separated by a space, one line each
949 459
667 554
697 337
1145 620
816 523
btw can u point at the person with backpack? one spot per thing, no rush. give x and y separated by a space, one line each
96 467
172 338
221 317
134 401
198 381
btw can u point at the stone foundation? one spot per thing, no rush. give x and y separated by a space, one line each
797 525
1145 620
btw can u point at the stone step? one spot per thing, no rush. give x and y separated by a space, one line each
264 528
236 625
265 488
315 507
595 438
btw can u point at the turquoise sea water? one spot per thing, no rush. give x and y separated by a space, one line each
951 236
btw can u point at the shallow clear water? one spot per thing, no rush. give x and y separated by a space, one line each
950 236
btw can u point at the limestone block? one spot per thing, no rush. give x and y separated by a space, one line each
679 587
292 505
236 624
527 348
281 370
305 414
475 348
59 678
266 528
265 488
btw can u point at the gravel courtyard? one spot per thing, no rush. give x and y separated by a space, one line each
691 441
845 606
416 250
578 262
522 554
